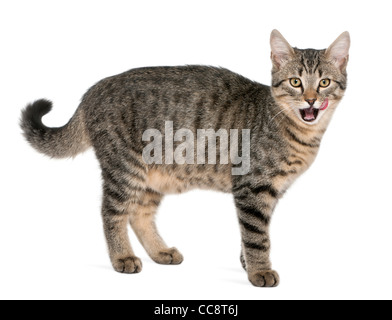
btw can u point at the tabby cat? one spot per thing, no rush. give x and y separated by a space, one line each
286 122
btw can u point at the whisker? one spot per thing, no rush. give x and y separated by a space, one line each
285 114
282 111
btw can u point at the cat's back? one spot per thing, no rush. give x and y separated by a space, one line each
188 95
171 82
187 78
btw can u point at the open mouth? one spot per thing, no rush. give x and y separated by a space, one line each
310 114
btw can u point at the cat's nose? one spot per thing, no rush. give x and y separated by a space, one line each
311 101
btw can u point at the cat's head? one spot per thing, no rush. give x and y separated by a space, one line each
309 83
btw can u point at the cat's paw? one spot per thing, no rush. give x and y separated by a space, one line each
168 256
265 279
127 265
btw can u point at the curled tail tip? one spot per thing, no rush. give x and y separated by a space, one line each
33 113
63 142
31 122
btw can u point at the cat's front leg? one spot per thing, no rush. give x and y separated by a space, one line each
255 205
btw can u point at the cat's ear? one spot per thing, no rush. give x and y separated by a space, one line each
281 49
338 51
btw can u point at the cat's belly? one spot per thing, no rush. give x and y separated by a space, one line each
172 183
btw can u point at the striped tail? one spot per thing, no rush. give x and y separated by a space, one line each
63 142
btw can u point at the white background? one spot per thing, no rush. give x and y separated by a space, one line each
331 234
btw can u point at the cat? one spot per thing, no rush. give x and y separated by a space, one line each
286 122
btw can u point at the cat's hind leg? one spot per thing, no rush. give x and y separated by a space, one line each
124 185
115 220
142 219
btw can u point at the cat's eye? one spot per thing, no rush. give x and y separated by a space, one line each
325 83
295 82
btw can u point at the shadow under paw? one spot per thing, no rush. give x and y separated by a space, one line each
168 256
128 265
265 279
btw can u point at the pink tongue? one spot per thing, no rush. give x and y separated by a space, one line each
325 104
309 114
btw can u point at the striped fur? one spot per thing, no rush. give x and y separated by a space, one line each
116 111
